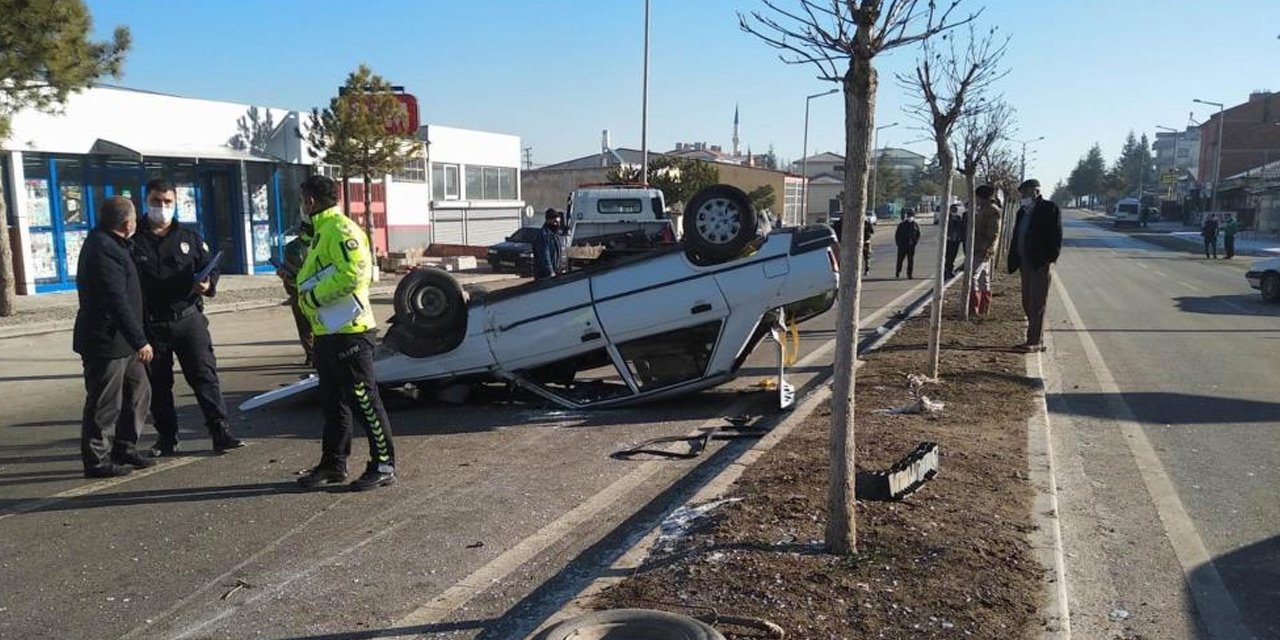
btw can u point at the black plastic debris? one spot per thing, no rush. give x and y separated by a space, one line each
903 478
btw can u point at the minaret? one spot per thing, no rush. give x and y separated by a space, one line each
735 130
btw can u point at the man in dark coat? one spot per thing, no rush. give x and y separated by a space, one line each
1036 243
907 236
955 238
112 345
1209 231
546 247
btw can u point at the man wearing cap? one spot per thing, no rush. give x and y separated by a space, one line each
1037 241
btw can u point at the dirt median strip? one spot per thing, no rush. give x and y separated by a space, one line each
952 560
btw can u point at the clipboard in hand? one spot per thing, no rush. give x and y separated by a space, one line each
204 273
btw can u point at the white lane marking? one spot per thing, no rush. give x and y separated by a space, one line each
1160 273
1188 285
1144 266
502 566
1218 611
94 487
1040 442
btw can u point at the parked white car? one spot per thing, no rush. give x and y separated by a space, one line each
654 325
1264 275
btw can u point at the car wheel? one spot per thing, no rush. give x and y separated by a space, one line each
632 623
719 224
430 302
1271 287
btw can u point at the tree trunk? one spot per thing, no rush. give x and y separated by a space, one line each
859 107
8 300
368 211
935 318
346 193
969 234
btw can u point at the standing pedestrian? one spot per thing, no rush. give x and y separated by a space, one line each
169 257
112 345
1037 241
1209 231
868 230
986 228
955 239
295 252
907 236
333 286
546 247
1229 229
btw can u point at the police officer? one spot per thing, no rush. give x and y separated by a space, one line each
333 288
168 257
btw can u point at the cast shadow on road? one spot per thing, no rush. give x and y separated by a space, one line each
1250 574
1103 242
1158 407
51 376
165 496
536 607
1228 305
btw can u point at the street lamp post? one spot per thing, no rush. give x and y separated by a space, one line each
804 158
1022 171
1217 163
875 161
644 104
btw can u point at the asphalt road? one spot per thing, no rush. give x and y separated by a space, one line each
1162 390
503 509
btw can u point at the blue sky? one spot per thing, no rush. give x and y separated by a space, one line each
557 72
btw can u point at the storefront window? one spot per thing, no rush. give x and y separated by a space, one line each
71 192
39 207
261 211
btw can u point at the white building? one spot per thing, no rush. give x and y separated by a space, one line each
237 168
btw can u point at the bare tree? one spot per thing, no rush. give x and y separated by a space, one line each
980 130
944 82
842 39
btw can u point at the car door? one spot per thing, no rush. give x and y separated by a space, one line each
663 316
544 325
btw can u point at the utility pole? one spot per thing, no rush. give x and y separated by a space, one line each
528 158
1217 165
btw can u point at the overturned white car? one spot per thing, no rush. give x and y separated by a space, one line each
649 326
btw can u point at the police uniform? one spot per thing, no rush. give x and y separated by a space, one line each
336 270
176 326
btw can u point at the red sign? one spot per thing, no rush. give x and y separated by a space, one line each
409 127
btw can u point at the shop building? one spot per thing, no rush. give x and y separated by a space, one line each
237 169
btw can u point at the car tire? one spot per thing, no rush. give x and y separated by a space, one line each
430 302
632 623
1270 287
719 224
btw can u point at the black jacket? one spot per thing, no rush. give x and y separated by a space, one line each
1044 239
109 321
907 234
167 267
546 253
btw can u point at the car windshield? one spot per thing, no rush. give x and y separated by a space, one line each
1128 208
523 234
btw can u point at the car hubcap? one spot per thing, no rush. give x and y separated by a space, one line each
718 221
431 302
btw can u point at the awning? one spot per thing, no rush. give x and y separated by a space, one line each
113 149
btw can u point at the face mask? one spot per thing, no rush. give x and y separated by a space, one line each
159 216
1026 202
304 212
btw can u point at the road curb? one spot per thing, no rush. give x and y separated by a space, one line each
723 480
1046 536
